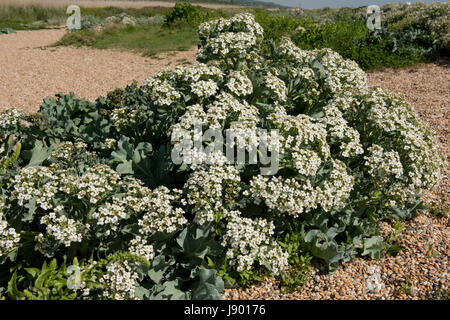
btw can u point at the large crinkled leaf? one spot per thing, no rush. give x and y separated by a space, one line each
151 167
324 247
39 154
196 243
172 291
374 246
209 286
123 155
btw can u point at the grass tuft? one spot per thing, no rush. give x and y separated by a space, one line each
148 40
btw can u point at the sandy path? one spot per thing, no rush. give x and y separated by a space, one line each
29 72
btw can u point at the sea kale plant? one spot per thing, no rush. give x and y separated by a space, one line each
93 207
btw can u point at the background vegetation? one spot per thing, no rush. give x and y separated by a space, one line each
409 34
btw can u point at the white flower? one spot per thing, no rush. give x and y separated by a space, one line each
250 240
119 282
9 238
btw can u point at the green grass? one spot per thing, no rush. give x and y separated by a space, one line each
115 11
342 30
352 40
21 18
148 39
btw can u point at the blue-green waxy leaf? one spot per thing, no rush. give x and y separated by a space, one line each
172 291
323 246
209 286
31 206
374 247
122 156
39 154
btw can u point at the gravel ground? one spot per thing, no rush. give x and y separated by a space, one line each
28 73
31 71
421 270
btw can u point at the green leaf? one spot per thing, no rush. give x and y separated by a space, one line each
374 247
123 155
13 292
39 154
394 249
31 206
209 286
172 291
32 271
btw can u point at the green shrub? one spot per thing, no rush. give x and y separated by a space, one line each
97 205
186 13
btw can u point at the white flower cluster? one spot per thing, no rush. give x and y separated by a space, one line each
10 119
339 129
417 144
119 282
336 190
110 143
244 22
43 183
306 162
8 236
111 201
341 76
204 88
243 116
161 91
66 151
276 86
110 214
284 195
29 182
230 42
300 132
306 73
124 117
239 84
291 53
61 228
190 74
224 37
295 197
96 183
160 214
140 247
167 86
249 240
93 187
381 164
210 189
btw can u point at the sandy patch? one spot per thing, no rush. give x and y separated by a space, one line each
30 71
